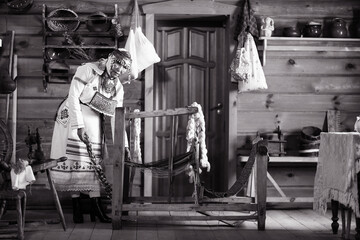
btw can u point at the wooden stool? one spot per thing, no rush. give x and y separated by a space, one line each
45 166
20 198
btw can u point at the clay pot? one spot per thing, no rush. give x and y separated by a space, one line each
98 22
312 30
338 28
291 32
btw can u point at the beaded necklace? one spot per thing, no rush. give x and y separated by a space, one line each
108 84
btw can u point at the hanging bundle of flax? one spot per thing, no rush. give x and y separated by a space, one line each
97 167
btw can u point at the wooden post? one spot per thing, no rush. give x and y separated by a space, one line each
19 218
118 168
261 179
171 158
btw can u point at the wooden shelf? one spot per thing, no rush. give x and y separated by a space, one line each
82 33
308 44
81 19
285 159
49 73
311 39
83 46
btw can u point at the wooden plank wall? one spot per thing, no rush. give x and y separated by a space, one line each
296 97
299 94
36 108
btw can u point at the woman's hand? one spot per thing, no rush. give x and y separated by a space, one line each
82 134
128 154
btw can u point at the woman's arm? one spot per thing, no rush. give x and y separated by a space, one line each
77 85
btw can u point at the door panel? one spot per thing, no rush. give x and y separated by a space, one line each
192 70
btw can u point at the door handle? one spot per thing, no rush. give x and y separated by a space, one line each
218 108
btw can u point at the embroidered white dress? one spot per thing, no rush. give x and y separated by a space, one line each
77 173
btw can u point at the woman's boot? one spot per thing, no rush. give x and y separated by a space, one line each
77 213
97 210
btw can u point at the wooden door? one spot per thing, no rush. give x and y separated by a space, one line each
191 70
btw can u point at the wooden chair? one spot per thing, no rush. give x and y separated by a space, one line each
6 193
45 166
201 205
20 201
19 196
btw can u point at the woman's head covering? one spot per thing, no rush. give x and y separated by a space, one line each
122 57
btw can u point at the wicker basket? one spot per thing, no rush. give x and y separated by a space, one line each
63 25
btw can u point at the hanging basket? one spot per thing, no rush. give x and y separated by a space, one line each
63 25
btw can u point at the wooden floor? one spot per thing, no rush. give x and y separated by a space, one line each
280 224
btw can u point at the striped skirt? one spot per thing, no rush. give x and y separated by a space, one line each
77 172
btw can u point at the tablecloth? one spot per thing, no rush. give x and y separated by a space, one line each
337 168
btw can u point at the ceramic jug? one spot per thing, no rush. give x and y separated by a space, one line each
291 32
312 29
338 28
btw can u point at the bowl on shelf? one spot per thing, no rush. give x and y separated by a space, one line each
57 53
291 32
310 133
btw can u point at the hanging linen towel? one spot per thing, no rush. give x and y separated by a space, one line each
21 176
250 66
145 51
142 51
131 48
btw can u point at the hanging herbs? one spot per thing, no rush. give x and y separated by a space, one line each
76 41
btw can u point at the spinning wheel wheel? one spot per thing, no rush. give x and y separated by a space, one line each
6 146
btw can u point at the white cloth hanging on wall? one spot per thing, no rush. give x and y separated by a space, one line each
131 48
247 67
142 51
145 51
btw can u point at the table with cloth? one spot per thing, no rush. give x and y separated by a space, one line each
336 178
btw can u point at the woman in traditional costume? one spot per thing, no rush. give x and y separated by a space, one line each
96 90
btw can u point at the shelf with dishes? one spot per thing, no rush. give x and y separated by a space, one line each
70 39
81 33
308 44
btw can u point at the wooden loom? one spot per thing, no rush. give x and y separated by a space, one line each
255 207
